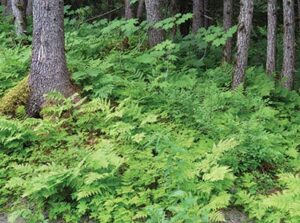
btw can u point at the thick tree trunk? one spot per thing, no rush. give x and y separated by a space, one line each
271 48
140 9
29 7
198 15
227 23
243 42
48 68
19 13
153 8
128 10
288 69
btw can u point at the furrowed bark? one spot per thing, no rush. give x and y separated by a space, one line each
243 42
271 48
153 8
48 68
288 67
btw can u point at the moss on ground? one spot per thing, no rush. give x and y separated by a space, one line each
14 98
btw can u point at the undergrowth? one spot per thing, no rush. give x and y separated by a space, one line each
158 136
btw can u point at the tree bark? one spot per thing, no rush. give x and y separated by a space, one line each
48 68
288 67
29 7
140 9
271 48
198 15
19 13
128 10
153 8
227 23
243 42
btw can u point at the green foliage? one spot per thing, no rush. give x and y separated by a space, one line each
158 135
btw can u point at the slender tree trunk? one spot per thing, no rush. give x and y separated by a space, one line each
48 68
140 9
7 7
128 10
271 49
198 15
298 10
288 69
243 42
153 8
227 23
19 12
206 14
29 7
76 4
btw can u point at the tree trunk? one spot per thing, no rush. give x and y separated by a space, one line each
128 10
271 48
19 12
243 42
288 69
7 7
48 68
206 14
29 7
153 8
198 15
140 9
227 23
298 9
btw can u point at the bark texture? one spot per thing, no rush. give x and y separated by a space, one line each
128 10
227 23
288 67
243 42
140 9
48 68
19 13
153 8
198 15
271 48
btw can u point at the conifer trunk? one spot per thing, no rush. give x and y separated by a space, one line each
140 9
19 13
29 7
243 42
153 8
128 10
271 48
227 23
7 7
48 68
288 69
198 15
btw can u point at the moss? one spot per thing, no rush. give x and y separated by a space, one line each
14 98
